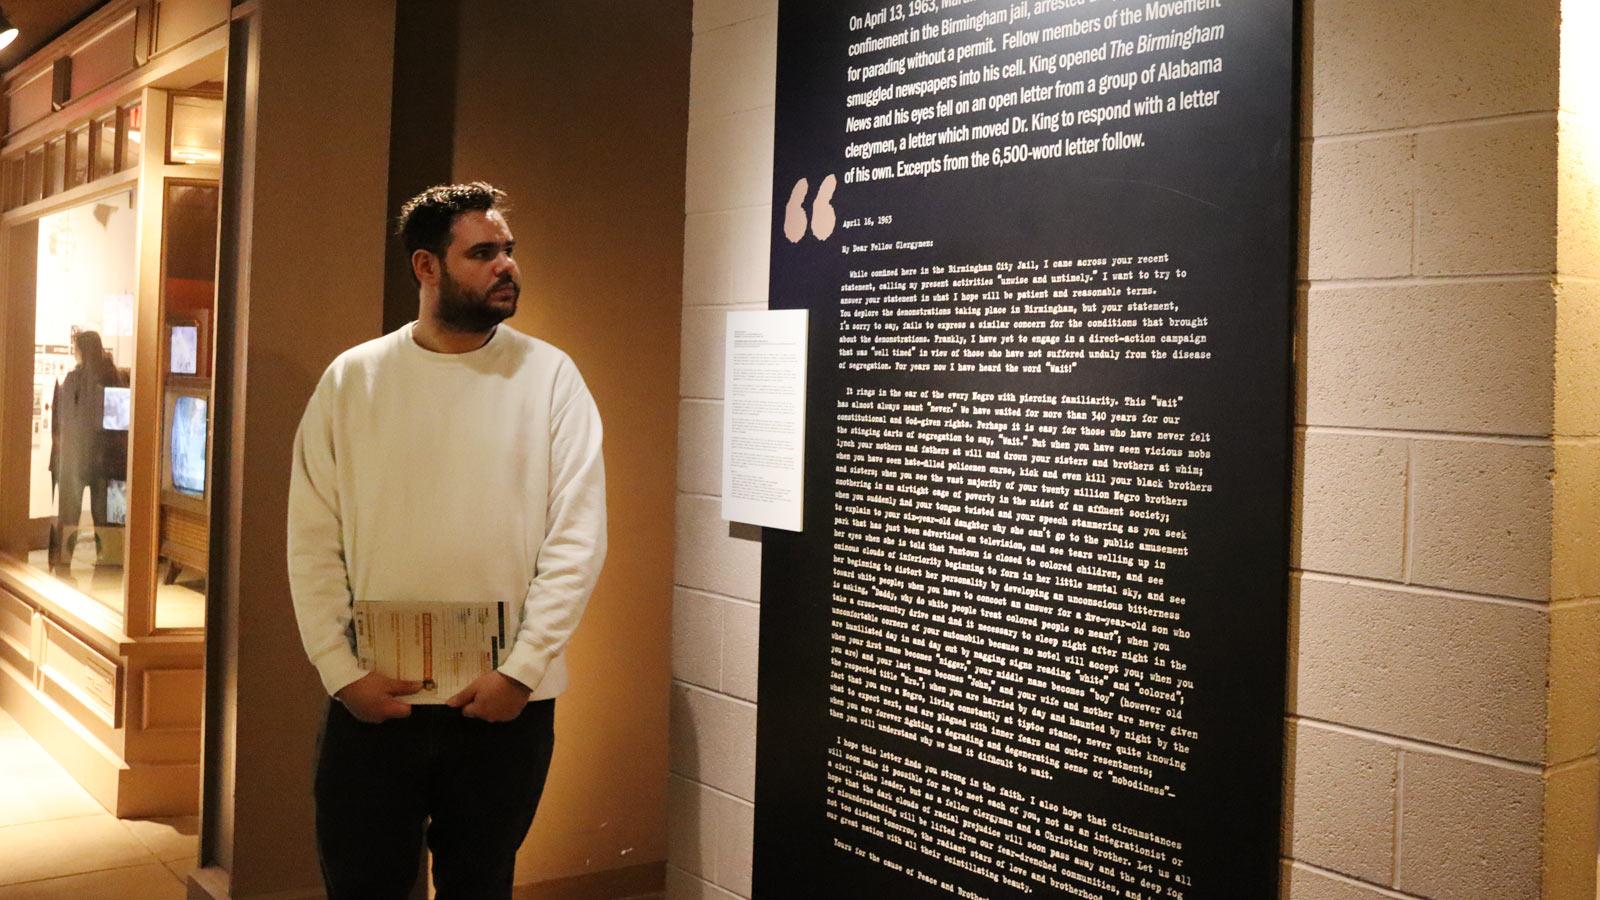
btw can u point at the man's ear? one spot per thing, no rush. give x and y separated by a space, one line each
425 266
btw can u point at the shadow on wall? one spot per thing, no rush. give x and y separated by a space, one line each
422 139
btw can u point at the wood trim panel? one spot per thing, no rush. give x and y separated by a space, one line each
31 100
177 21
104 187
89 620
90 677
104 57
16 624
171 699
20 630
123 89
144 434
158 790
82 33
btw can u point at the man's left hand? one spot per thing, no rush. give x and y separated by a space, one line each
492 697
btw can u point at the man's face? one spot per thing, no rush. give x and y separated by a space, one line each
479 282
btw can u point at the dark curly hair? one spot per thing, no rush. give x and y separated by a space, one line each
425 220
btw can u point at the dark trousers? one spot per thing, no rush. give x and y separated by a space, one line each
469 787
69 508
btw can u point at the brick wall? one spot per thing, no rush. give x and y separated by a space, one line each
1444 696
726 242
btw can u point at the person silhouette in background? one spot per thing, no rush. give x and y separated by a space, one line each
82 451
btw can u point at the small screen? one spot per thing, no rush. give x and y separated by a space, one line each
185 350
118 407
189 445
116 502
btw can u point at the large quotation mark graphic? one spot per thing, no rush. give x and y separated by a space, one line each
822 218
794 215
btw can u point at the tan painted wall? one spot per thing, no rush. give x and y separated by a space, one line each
1443 698
592 156
727 230
1444 689
578 111
313 241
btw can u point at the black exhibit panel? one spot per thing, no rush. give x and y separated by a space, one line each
1031 641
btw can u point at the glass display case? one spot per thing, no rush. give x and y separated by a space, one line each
85 277
78 156
188 292
131 132
109 287
103 161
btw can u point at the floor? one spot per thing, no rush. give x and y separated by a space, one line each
56 842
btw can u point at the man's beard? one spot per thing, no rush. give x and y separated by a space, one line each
469 311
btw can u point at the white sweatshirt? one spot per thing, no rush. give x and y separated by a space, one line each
468 477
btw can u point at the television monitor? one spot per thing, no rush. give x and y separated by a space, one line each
183 350
117 409
186 444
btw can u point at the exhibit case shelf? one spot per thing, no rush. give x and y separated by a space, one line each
109 173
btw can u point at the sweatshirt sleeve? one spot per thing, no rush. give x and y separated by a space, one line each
574 545
318 580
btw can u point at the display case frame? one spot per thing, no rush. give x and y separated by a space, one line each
114 698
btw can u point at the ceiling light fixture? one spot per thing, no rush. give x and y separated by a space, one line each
8 31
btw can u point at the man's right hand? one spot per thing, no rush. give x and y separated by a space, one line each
371 698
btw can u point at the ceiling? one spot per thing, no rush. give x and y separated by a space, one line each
39 21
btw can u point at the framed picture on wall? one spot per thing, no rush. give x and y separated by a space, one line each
183 348
188 346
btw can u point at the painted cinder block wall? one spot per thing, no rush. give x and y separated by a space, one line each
1444 686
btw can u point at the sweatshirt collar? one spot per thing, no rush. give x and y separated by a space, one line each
489 348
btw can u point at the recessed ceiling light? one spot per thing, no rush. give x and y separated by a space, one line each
8 31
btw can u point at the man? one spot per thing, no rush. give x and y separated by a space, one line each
452 460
